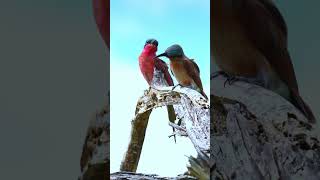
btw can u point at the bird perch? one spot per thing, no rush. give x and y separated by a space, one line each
257 134
95 157
189 106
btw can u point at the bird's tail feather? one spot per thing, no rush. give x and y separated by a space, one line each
302 106
204 94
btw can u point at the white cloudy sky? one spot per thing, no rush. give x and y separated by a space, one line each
132 22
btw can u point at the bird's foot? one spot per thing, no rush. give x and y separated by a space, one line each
218 73
176 86
232 79
147 91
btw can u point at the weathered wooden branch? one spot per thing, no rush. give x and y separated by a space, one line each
132 156
189 106
257 134
95 157
136 176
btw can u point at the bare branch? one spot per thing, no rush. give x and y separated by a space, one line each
189 106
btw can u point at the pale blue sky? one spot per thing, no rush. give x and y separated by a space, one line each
185 22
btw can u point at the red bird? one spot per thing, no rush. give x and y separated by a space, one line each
101 10
149 63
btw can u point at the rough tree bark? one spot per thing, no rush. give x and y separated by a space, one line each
95 157
257 134
190 107
135 176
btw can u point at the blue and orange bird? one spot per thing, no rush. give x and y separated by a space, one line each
250 40
185 70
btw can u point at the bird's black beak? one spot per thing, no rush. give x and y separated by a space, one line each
163 54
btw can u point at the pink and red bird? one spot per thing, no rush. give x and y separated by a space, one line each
149 63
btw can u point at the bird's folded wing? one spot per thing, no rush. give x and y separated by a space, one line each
195 65
162 66
193 71
266 29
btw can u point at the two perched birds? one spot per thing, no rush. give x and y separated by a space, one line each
185 70
249 42
249 39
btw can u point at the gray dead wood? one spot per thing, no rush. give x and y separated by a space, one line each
95 157
189 106
137 176
257 134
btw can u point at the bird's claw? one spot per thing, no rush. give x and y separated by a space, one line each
175 86
218 73
230 80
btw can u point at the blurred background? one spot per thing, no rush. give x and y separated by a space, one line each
53 75
304 45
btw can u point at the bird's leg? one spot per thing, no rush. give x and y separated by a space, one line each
233 79
147 91
218 73
176 86
230 78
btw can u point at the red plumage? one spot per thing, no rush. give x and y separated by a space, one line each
148 62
